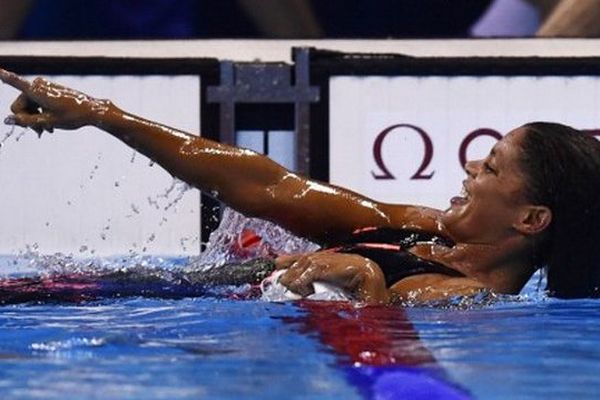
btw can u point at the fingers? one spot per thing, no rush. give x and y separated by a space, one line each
36 91
300 275
284 262
38 122
303 285
15 80
26 112
294 271
24 104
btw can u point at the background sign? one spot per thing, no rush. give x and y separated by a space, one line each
402 139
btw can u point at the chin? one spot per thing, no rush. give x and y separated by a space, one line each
452 219
453 212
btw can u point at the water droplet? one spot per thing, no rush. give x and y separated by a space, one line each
153 202
182 189
21 134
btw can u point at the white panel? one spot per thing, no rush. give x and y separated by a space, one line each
282 148
282 145
251 140
86 192
447 109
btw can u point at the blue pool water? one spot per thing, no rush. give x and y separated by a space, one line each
215 347
211 347
162 349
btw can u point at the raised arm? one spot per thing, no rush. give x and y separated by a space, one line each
249 182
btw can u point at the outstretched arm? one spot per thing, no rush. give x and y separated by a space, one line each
249 182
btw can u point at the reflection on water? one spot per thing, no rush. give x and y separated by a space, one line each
518 349
525 347
162 349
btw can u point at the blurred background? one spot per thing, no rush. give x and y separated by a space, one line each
295 19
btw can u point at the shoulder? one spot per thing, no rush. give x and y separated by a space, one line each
432 287
426 219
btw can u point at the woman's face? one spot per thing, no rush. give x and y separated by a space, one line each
489 204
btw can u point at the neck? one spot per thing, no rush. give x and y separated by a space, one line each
504 267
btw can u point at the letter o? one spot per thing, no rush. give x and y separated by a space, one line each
464 145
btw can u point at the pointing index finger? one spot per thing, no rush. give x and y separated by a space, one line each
15 80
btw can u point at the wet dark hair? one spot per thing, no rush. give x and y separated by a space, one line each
562 171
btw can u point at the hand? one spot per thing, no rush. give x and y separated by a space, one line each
352 272
44 105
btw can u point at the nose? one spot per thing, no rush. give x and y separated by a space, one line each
472 167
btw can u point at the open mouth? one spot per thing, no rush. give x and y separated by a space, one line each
461 199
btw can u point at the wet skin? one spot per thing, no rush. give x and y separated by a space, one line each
493 194
489 224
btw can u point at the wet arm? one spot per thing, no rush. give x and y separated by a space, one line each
251 183
433 287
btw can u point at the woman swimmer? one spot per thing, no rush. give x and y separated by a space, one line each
532 202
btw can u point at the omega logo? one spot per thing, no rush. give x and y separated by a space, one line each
427 156
385 174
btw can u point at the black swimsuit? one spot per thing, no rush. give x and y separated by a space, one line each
388 248
385 246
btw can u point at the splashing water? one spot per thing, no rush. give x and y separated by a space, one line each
224 246
20 135
31 262
163 200
12 132
7 135
179 188
224 243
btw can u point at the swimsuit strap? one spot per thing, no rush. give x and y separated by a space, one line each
406 238
389 249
